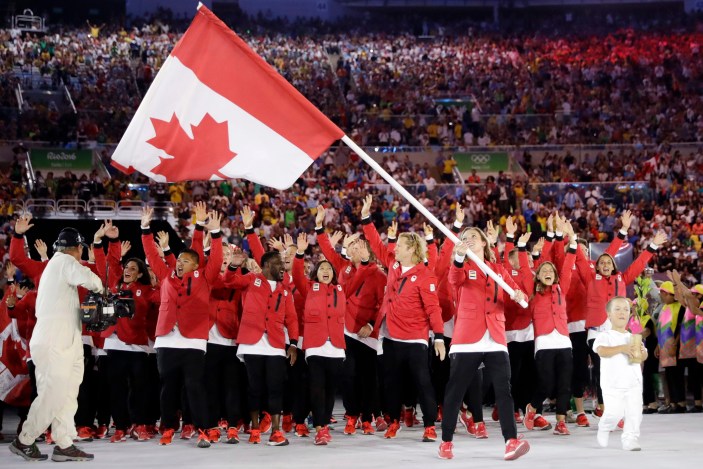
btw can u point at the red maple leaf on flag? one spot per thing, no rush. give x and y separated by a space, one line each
197 158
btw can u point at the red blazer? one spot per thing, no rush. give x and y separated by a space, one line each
325 308
584 269
224 308
134 331
185 302
25 314
364 293
411 305
548 307
363 286
445 292
517 318
603 289
474 314
263 310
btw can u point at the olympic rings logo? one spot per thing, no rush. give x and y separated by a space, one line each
480 159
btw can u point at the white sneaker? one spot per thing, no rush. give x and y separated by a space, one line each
603 437
631 445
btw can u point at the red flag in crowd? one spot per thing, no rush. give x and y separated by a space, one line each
217 110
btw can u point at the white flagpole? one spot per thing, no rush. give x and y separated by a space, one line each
422 209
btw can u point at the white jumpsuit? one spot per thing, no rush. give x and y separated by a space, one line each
57 350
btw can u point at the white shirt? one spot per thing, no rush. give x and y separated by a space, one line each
553 340
617 372
486 344
57 296
174 339
115 343
215 337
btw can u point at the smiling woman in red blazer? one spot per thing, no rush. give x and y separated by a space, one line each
322 336
479 337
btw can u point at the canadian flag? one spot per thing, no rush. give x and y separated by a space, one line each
216 110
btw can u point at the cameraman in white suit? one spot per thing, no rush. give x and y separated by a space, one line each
57 352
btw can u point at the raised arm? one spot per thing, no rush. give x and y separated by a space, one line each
527 278
31 268
161 270
214 264
382 254
299 279
636 268
197 244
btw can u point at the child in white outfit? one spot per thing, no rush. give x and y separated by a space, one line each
620 380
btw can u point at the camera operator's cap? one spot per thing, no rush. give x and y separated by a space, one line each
667 287
697 289
68 238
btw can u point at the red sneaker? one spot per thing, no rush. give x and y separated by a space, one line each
328 436
430 434
516 447
350 427
561 428
142 433
409 417
151 431
621 424
381 424
530 414
49 440
333 420
223 424
494 414
518 417
598 412
287 424
265 422
255 437
393 430
541 423
187 432
101 432
167 437
302 430
320 439
118 437
582 420
467 420
277 439
445 450
367 429
232 435
85 433
480 431
203 439
214 435
439 413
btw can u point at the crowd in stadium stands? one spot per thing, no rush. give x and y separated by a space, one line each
629 86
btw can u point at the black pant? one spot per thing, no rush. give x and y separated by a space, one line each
359 378
298 389
579 351
675 383
87 398
694 379
266 375
440 372
463 369
522 372
595 361
127 375
222 383
179 367
102 388
153 397
402 357
553 374
324 376
473 398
